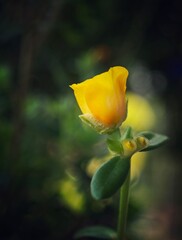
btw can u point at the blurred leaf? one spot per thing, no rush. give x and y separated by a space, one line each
4 77
155 140
109 177
96 232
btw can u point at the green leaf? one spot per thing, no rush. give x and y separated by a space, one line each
96 232
110 177
155 140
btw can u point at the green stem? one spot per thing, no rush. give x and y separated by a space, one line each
123 208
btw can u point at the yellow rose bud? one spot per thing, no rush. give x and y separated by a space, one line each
102 99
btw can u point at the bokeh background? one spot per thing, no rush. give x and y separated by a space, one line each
47 157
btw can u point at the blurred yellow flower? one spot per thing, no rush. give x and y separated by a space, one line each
138 162
141 115
102 99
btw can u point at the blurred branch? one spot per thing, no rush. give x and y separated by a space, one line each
140 23
25 68
37 21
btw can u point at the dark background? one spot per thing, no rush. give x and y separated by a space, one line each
44 47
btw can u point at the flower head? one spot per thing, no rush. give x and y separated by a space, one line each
102 99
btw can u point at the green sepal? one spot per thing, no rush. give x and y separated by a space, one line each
89 120
92 122
100 232
114 140
109 177
115 135
115 146
155 140
127 134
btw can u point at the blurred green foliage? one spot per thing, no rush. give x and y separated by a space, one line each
44 149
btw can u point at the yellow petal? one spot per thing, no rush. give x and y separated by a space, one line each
79 91
101 98
119 76
105 96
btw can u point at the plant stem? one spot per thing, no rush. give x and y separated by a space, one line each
123 208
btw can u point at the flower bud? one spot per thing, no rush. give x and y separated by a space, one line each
141 142
129 147
102 99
